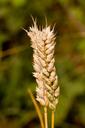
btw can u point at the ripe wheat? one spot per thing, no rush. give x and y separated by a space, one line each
43 44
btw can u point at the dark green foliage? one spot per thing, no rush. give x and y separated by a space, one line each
16 107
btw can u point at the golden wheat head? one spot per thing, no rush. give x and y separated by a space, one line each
43 44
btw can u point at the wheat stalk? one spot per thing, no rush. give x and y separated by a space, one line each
43 44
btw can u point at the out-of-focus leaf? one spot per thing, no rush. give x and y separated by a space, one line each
77 12
82 112
3 37
18 3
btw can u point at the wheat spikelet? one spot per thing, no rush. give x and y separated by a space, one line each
43 44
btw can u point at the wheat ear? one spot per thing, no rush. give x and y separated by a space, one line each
43 44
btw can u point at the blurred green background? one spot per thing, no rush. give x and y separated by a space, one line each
16 107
